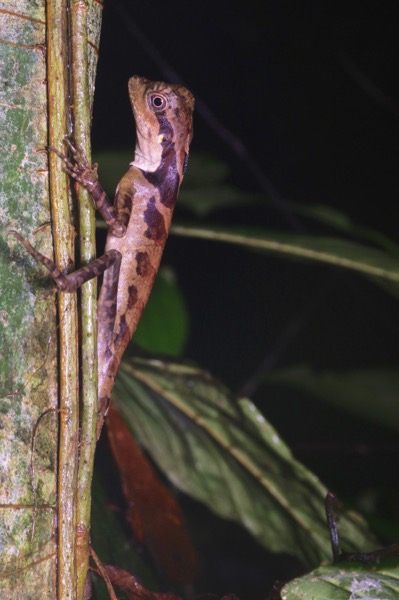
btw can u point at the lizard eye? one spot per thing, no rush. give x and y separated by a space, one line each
157 102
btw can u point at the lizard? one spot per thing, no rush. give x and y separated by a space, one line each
137 222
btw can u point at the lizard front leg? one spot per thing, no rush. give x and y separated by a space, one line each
86 174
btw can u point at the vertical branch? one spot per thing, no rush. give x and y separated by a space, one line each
81 113
57 44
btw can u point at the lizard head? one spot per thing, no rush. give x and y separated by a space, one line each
164 123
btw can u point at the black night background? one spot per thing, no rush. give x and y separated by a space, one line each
299 101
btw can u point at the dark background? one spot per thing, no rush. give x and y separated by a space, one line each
310 91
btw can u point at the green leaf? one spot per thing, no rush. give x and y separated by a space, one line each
163 327
340 221
225 454
382 267
205 189
205 169
112 164
345 581
209 198
373 393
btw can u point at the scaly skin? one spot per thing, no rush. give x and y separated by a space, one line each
138 222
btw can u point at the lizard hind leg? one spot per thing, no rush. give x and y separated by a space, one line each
55 273
71 282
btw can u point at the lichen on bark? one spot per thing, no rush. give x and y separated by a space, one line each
28 383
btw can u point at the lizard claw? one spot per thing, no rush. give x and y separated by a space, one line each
77 152
80 169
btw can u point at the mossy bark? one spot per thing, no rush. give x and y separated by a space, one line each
30 388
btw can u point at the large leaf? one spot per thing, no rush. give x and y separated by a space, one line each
225 454
382 267
206 188
341 222
164 325
345 581
152 511
373 394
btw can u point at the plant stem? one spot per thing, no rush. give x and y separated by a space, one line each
57 42
81 120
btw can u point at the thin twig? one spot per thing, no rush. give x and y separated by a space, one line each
102 571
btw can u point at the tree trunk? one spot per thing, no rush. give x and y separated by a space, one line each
39 400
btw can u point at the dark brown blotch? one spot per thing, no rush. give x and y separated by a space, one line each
143 264
124 204
133 295
124 333
155 222
166 178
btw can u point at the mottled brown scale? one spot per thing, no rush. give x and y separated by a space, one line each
138 221
163 135
132 294
143 267
154 219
